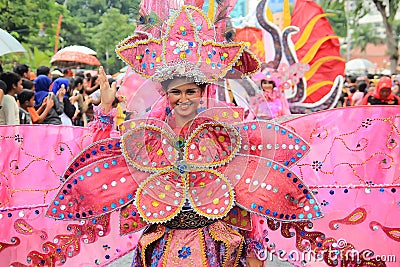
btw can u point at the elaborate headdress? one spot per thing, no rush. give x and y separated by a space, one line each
187 47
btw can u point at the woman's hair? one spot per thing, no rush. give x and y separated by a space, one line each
268 82
166 83
27 84
25 95
10 78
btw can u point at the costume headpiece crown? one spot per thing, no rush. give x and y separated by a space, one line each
187 47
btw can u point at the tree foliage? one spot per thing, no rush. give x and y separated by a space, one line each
387 10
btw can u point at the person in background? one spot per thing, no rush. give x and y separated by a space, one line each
9 113
3 88
42 84
61 87
81 102
382 95
358 96
56 73
43 70
23 70
26 99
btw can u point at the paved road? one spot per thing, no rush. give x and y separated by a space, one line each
127 260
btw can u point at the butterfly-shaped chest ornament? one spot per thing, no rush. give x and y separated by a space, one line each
221 165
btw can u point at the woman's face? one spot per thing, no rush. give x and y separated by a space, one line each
267 86
385 92
184 98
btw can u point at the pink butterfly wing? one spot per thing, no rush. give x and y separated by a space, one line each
95 187
210 193
161 196
272 141
212 144
270 189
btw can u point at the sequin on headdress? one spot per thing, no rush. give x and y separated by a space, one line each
187 47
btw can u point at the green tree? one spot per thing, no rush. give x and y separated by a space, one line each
362 36
388 14
338 21
107 37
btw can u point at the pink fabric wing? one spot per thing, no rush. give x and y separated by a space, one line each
149 148
272 141
95 187
210 193
276 192
161 196
211 144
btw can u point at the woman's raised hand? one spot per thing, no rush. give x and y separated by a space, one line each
107 92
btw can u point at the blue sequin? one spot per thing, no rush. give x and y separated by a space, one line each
75 181
290 135
297 140
293 160
301 216
299 154
253 126
267 211
282 169
133 213
81 177
304 147
106 165
54 210
381 190
102 148
289 174
94 221
62 216
260 208
312 201
275 214
245 127
89 173
97 169
275 167
316 207
61 197
286 163
269 163
105 209
56 202
110 146
318 214
151 65
70 215
113 205
283 131
253 205
94 152
121 201
276 128
114 162
269 126
130 196
309 216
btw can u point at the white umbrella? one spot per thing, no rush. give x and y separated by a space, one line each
8 44
79 48
359 65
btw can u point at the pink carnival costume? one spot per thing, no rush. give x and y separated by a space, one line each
190 190
225 168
